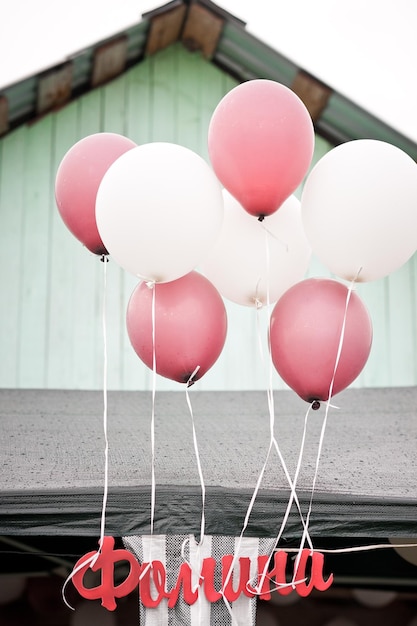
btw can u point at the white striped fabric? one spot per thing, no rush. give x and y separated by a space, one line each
172 550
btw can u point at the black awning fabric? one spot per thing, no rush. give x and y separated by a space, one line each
52 456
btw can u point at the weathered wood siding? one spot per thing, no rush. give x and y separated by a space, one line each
51 316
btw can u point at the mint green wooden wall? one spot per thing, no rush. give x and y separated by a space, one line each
52 288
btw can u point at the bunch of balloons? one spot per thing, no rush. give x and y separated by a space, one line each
158 208
160 211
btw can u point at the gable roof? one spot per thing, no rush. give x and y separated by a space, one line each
223 40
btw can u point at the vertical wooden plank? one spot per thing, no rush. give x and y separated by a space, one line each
377 370
88 289
413 288
115 120
64 249
12 150
402 338
35 259
89 114
114 105
139 102
211 91
190 73
163 69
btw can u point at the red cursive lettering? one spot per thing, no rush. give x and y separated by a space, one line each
304 588
152 574
151 578
106 559
227 579
185 579
278 572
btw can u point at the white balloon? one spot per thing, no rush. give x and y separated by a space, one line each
359 208
254 261
159 209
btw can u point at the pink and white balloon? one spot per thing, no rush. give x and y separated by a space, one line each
77 180
305 336
188 328
359 208
253 263
159 210
261 142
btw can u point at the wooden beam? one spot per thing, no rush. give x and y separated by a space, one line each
54 88
165 29
202 30
312 92
4 115
109 61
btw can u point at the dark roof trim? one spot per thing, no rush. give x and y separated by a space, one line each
214 8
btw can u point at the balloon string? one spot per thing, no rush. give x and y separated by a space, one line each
323 428
272 444
271 234
197 456
277 586
105 413
234 622
91 560
368 548
295 479
270 394
293 496
258 305
203 499
151 285
203 492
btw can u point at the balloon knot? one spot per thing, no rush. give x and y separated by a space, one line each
315 405
190 379
104 258
261 218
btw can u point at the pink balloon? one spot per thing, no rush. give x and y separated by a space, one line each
77 181
305 331
261 142
190 326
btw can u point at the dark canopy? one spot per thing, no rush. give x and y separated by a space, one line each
52 452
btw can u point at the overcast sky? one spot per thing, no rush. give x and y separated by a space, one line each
365 49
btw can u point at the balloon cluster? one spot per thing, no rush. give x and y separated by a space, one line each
159 210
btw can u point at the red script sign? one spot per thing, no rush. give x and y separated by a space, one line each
151 578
